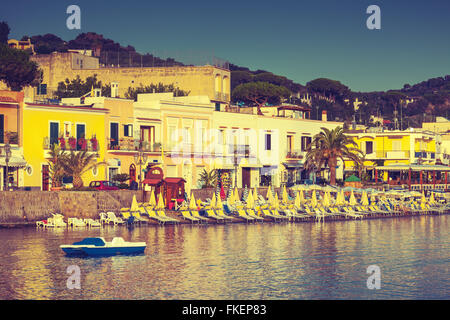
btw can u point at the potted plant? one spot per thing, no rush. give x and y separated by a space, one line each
72 143
62 142
94 143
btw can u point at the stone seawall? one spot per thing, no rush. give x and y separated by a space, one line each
23 207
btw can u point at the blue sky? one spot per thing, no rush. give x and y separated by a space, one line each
301 40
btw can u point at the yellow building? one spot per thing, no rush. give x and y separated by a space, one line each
393 148
74 128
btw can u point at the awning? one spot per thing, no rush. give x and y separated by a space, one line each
293 165
174 180
113 162
152 182
413 167
13 162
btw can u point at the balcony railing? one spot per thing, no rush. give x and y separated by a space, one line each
424 154
393 154
10 137
294 154
72 144
130 144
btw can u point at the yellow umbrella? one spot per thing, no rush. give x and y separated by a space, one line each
192 205
338 200
297 201
160 204
134 204
230 200
236 195
302 197
213 201
285 197
276 203
352 199
219 204
364 199
269 195
432 200
152 201
250 202
325 201
313 199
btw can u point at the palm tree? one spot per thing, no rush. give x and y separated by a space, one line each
208 179
55 165
328 147
77 163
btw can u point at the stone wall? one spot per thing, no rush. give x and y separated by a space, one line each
30 206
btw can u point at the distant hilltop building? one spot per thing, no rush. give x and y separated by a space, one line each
207 80
21 45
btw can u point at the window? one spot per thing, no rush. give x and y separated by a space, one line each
127 130
369 147
396 145
81 134
42 89
289 143
306 141
217 107
114 134
268 141
54 133
2 134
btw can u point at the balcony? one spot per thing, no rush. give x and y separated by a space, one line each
221 96
390 154
72 144
294 154
10 137
130 144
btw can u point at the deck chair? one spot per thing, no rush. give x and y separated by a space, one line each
275 212
252 214
162 214
137 215
222 214
187 216
351 213
242 214
211 214
111 217
268 214
198 216
152 215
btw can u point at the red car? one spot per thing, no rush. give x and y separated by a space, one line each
103 185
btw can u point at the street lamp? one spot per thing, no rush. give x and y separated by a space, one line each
140 158
7 157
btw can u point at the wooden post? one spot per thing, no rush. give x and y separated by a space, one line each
409 179
421 180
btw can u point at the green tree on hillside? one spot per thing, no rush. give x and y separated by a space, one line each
76 88
16 69
4 32
260 93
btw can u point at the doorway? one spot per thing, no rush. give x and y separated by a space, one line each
246 177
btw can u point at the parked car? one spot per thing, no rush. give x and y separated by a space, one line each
103 185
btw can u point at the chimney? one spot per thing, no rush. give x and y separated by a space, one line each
324 115
114 89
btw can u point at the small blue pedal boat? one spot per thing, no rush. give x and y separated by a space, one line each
99 247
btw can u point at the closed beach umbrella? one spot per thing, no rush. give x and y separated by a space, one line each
302 197
230 200
325 201
236 195
255 194
269 195
432 200
352 199
364 199
152 200
192 205
372 198
219 204
297 201
134 204
213 201
250 203
285 195
160 204
276 203
423 199
313 199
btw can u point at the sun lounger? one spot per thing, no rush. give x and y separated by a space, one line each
111 217
138 215
92 223
187 216
276 213
198 216
268 214
152 215
75 222
211 214
162 214
351 213
222 214
252 214
242 214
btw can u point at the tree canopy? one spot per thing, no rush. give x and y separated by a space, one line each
16 69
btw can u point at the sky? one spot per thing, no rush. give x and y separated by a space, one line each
302 40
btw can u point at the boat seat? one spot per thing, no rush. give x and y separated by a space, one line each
117 240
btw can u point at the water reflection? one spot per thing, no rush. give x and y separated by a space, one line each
237 261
